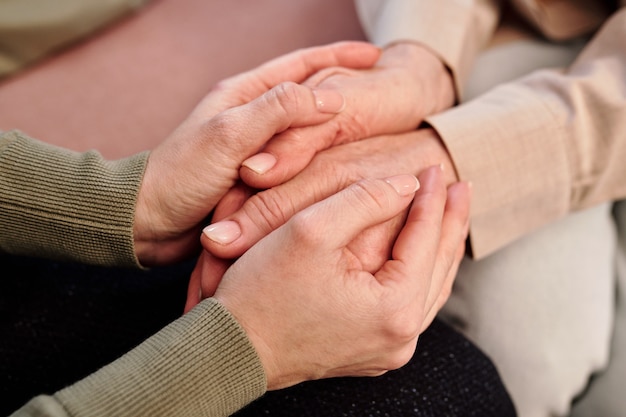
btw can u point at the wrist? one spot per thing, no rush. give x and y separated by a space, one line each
434 146
146 221
435 78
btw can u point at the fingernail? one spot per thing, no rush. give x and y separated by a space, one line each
222 232
260 163
404 184
329 101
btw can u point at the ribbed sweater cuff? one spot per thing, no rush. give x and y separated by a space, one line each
200 365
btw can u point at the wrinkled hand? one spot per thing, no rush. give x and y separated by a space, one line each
312 311
407 84
195 166
243 219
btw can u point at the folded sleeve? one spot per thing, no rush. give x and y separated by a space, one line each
545 145
32 29
453 29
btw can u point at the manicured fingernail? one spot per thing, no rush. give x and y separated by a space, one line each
260 163
404 184
222 232
329 101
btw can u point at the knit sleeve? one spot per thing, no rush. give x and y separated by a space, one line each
66 205
202 364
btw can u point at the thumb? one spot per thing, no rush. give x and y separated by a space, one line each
340 218
243 130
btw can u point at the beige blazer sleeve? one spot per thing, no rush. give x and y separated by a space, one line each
545 145
32 29
455 30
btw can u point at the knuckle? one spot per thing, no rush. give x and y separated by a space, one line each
219 127
268 211
402 331
400 358
402 325
331 174
368 190
222 85
330 76
304 231
287 96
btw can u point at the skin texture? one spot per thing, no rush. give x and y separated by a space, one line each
189 172
407 84
396 301
293 111
254 215
358 323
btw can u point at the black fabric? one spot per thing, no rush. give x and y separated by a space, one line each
59 322
447 376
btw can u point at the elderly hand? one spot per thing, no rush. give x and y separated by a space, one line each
310 308
408 83
241 220
192 169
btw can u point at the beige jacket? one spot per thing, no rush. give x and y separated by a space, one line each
537 148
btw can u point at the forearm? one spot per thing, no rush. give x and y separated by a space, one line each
65 205
200 365
543 146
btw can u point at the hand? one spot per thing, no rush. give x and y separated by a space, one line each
312 311
408 83
193 168
242 220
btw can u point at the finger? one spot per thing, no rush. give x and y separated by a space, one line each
289 152
232 201
337 220
451 247
296 67
415 251
300 65
212 272
265 212
453 236
246 128
193 288
445 291
204 279
262 213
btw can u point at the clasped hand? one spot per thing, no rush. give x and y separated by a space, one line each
307 271
310 307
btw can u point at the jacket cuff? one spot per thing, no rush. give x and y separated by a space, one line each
519 184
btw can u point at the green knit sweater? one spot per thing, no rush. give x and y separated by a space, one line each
77 206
